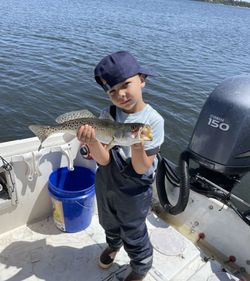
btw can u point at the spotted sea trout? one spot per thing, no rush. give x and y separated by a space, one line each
107 130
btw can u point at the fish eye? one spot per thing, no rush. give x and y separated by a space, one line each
134 127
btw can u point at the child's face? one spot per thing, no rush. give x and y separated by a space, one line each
127 95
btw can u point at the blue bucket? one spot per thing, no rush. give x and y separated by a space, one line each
72 194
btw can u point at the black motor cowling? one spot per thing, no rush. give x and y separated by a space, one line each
219 147
221 138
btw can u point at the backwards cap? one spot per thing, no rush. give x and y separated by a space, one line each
116 68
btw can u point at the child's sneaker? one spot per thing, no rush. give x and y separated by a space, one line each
107 257
134 277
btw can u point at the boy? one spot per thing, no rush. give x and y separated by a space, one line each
125 174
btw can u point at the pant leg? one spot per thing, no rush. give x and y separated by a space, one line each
106 213
132 213
139 250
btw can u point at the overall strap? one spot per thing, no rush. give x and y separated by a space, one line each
112 111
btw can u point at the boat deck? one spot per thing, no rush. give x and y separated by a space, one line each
42 252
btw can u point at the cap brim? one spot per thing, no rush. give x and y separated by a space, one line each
148 72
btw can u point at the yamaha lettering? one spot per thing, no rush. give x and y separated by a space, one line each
217 122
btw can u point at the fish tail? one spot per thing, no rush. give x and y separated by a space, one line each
42 132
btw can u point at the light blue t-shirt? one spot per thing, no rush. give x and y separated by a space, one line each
147 115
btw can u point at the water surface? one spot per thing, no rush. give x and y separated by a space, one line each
48 51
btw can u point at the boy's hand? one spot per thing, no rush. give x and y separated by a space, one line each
86 134
138 146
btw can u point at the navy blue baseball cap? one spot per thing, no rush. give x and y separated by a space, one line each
118 67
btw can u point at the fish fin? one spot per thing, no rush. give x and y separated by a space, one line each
111 144
74 115
42 132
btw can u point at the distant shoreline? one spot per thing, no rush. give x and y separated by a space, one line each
228 2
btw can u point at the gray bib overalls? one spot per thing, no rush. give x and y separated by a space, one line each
124 199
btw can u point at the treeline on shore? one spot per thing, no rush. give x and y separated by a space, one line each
228 2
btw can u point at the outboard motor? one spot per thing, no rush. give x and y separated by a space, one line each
219 147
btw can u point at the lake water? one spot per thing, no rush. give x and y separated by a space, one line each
48 51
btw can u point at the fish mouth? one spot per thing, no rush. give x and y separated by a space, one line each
146 133
141 132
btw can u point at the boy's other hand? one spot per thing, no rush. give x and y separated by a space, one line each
138 146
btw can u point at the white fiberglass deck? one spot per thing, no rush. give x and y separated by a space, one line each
42 252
